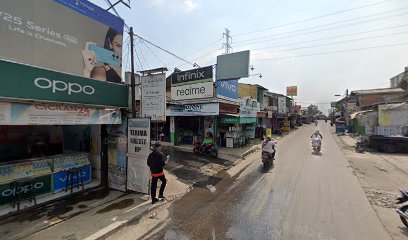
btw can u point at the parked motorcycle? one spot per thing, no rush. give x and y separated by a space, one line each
316 145
208 148
360 146
403 211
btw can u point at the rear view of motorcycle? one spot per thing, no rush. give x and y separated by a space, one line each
403 211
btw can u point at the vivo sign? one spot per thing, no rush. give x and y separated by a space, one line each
227 89
61 86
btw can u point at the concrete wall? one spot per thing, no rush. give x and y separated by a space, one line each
247 90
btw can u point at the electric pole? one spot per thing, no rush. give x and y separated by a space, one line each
132 74
228 41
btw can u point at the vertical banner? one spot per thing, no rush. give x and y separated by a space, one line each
154 97
282 105
138 151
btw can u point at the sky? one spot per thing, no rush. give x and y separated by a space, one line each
322 46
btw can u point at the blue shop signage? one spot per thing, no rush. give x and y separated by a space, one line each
60 178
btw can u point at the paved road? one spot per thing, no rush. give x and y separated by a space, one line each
305 196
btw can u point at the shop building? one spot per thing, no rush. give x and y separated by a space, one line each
50 133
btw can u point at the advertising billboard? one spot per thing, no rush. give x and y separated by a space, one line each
154 97
233 66
291 91
192 84
282 105
227 89
69 36
32 83
138 152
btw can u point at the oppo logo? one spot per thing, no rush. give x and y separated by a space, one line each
61 86
23 189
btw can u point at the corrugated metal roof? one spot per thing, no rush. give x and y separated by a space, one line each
377 91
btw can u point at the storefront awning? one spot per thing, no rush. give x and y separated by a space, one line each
237 120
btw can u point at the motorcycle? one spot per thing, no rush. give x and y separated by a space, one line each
403 211
208 148
360 146
267 160
316 145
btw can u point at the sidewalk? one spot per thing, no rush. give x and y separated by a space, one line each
380 175
90 216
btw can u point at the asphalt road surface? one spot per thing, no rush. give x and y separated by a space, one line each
305 196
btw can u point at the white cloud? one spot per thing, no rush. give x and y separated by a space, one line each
189 5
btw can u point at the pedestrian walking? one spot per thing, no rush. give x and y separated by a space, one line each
156 162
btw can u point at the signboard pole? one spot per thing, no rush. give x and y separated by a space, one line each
132 76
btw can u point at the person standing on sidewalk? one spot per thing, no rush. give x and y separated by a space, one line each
156 162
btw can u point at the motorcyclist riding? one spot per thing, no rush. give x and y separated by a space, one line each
317 134
268 146
316 139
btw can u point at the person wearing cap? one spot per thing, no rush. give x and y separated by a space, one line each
156 162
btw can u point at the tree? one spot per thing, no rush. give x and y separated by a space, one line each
314 110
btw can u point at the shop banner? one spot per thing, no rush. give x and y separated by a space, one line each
247 112
154 97
55 114
138 151
41 185
193 91
192 84
60 178
227 89
192 76
199 109
70 36
31 83
117 156
282 105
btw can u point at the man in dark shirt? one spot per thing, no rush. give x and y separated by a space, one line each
156 162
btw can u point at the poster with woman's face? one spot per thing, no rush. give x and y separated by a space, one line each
69 36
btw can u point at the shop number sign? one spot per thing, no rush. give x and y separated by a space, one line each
41 185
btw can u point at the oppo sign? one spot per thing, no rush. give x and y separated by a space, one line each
61 86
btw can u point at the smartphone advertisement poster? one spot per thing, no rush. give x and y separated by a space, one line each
69 36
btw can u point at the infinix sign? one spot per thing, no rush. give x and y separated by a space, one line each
198 75
61 86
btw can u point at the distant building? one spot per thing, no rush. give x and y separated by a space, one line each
395 81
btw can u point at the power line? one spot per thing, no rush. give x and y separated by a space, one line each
333 37
333 43
341 51
154 54
143 57
166 51
314 18
320 30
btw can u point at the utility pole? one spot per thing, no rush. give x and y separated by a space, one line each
228 41
132 73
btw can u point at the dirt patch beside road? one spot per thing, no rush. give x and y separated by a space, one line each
380 175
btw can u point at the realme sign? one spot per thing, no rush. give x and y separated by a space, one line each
192 84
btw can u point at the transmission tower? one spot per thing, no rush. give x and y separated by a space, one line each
228 41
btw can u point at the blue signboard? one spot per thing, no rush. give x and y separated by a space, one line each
60 178
227 89
95 12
